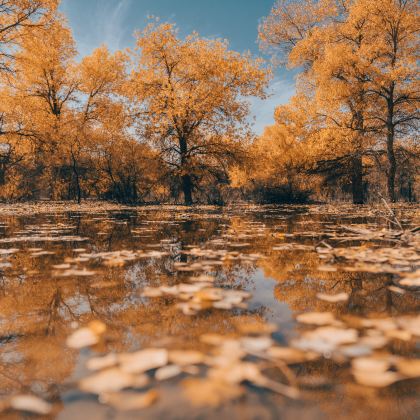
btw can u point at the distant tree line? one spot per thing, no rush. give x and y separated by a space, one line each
168 121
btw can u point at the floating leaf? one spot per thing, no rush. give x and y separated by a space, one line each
143 360
376 379
113 379
371 364
126 401
290 355
86 336
31 404
167 372
316 318
339 297
82 337
409 367
210 392
186 357
97 363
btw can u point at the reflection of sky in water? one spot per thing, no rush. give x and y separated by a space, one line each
38 309
263 297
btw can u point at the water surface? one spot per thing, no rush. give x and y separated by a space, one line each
40 308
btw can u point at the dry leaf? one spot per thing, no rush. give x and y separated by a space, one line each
167 372
290 355
210 392
109 380
376 379
143 360
186 357
82 337
256 344
97 363
126 401
409 367
30 403
316 318
371 364
339 297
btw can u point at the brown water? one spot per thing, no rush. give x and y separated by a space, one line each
39 308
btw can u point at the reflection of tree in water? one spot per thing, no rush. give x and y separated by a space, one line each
38 309
299 282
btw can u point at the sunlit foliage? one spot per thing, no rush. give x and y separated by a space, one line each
360 59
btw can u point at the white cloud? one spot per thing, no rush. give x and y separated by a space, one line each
113 31
280 91
109 25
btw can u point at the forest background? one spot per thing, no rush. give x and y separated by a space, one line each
168 120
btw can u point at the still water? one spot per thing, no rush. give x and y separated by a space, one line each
61 270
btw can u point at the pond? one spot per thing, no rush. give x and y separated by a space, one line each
250 312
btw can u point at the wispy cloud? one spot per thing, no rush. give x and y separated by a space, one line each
103 22
113 30
262 111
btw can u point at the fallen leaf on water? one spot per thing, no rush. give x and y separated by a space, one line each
371 364
86 336
211 294
339 297
83 337
325 340
167 372
399 334
235 373
113 379
409 367
97 363
186 357
290 355
396 289
249 326
256 344
77 273
356 350
376 379
411 324
98 327
411 279
143 360
317 318
210 392
64 266
126 401
30 403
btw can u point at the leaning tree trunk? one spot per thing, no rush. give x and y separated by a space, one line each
357 179
186 177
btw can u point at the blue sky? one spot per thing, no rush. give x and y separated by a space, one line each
112 22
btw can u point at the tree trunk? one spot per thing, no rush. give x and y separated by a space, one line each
357 180
187 189
392 169
186 177
76 174
392 163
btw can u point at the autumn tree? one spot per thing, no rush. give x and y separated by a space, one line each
189 99
277 161
317 36
16 17
392 56
360 57
45 84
